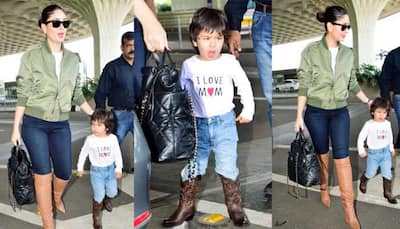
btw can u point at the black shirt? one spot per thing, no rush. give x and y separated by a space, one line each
117 84
390 75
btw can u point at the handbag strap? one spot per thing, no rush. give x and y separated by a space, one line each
160 61
193 161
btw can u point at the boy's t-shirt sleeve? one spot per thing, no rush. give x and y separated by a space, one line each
361 138
83 154
117 154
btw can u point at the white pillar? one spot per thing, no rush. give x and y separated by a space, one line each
363 15
110 15
105 18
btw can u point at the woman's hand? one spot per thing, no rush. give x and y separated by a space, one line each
154 34
16 137
299 124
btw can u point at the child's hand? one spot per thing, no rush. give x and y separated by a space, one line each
393 153
79 173
363 154
241 119
118 175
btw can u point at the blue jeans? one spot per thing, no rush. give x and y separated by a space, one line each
217 134
103 182
123 124
262 44
379 158
329 124
48 143
396 104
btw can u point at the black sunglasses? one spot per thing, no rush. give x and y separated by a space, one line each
344 27
57 23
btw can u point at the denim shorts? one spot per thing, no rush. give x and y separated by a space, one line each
103 182
379 158
324 125
48 143
219 135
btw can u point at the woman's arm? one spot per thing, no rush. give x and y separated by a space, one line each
85 107
301 102
154 34
16 136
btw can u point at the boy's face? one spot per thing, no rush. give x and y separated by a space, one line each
99 129
209 45
379 114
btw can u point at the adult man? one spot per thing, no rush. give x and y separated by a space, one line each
117 84
262 40
389 83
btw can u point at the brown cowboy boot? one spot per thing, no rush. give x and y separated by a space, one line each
324 179
107 204
43 199
97 214
345 179
59 186
363 183
186 208
233 201
387 191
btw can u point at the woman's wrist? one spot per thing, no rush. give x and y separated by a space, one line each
366 100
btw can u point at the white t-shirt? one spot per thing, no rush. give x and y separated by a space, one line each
334 52
210 83
58 56
378 135
102 152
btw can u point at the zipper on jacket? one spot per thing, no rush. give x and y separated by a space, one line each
58 81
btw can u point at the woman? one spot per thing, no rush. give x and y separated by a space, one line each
47 82
326 75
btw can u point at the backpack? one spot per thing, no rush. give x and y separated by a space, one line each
20 178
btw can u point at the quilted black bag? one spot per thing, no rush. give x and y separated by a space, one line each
303 166
166 113
20 178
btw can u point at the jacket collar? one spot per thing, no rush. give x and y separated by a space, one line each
46 46
325 44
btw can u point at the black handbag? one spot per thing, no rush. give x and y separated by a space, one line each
20 178
166 113
303 165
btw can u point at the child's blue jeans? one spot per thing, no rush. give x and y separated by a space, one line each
379 158
103 182
217 134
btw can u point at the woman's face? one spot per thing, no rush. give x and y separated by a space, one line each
54 30
338 30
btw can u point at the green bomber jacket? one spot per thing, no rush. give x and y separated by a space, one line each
38 89
317 81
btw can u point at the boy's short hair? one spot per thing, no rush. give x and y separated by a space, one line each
379 102
104 116
207 19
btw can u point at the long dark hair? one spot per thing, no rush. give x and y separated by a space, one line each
46 12
331 14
